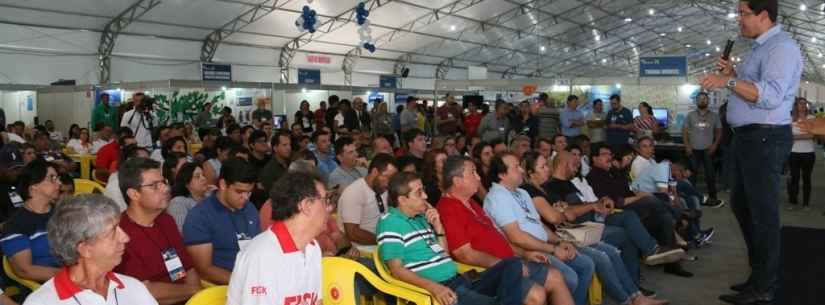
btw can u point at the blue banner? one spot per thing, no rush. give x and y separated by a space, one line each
216 72
388 81
663 66
309 77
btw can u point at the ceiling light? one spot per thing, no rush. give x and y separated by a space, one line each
651 12
628 19
452 28
707 54
813 39
618 86
687 45
604 60
542 48
597 37
803 7
707 42
718 49
303 90
823 66
369 93
223 88
819 55
662 34
731 15
679 29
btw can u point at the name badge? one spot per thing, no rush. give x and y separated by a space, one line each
16 200
501 129
702 125
173 264
449 115
243 240
49 158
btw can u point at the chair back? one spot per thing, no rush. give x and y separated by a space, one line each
85 186
10 272
339 283
215 295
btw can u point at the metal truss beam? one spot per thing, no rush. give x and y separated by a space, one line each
443 68
254 13
403 62
329 25
112 29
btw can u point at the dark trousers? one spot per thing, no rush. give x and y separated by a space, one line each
702 159
656 217
802 164
757 156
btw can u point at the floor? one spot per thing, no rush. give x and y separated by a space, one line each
725 261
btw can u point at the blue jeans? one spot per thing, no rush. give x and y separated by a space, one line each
625 231
611 270
503 283
578 273
757 156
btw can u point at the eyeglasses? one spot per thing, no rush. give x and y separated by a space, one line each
157 184
53 178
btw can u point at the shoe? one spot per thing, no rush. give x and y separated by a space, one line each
647 292
707 234
741 286
677 270
664 256
748 298
714 203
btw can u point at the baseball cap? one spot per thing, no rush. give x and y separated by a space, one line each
10 156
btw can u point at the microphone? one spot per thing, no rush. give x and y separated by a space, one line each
728 49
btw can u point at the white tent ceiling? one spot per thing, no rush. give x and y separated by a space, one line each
548 38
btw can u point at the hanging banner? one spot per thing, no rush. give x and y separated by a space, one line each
388 81
309 77
663 66
216 72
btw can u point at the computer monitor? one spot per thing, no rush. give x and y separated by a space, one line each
661 115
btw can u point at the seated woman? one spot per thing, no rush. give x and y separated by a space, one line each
432 173
618 282
189 188
24 239
174 144
88 243
81 145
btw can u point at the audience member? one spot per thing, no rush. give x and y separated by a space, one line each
112 189
324 152
212 166
260 151
619 122
596 122
80 145
348 169
472 120
279 163
802 158
572 119
645 125
495 125
364 201
103 135
702 133
108 156
103 113
190 188
416 145
548 117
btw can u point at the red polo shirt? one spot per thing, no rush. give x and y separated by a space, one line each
143 256
462 226
107 157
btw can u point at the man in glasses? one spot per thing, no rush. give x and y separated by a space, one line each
155 253
223 224
282 265
364 201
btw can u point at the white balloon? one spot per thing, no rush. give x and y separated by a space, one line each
366 24
309 1
300 21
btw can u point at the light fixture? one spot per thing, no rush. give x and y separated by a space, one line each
707 54
628 19
718 49
651 12
679 29
597 38
823 66
813 39
731 15
803 7
542 48
223 88
618 86
303 90
707 42
369 93
663 34
819 55
604 60
688 45
452 28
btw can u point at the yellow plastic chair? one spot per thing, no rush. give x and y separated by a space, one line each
338 283
84 186
464 268
32 285
594 294
210 296
387 276
95 179
206 284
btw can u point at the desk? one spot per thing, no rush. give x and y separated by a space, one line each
85 164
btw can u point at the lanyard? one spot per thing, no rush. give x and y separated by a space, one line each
428 236
78 301
380 202
469 207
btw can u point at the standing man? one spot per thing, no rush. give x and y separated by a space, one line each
262 114
619 122
495 124
702 133
103 113
572 119
448 118
548 117
409 116
759 110
141 120
595 123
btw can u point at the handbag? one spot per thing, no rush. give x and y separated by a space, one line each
582 234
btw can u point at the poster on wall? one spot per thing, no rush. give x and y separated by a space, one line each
388 81
115 96
29 103
663 66
216 72
309 77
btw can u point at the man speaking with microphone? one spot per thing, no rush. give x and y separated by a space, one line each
762 91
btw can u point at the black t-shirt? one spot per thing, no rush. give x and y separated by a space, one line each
259 163
564 189
433 192
536 192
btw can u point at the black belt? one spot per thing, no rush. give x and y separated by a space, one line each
755 127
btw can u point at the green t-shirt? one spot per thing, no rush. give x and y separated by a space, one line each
108 118
410 240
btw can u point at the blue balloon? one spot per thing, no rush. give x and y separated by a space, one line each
306 8
370 47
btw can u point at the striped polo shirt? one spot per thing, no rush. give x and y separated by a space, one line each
410 240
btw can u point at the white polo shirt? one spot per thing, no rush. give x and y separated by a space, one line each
123 290
271 270
358 204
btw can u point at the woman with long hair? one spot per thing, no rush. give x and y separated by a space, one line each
645 124
80 145
382 121
74 132
305 117
483 157
802 158
433 173
189 187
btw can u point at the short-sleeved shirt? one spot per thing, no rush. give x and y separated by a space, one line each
613 184
567 117
616 136
652 178
505 207
143 258
273 271
107 157
702 128
107 117
597 134
26 230
471 122
212 223
409 119
326 162
563 188
178 208
358 204
474 227
61 290
639 165
410 240
343 177
449 112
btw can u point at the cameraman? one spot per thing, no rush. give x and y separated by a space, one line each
142 121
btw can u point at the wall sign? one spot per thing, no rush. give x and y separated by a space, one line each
663 66
309 77
216 72
388 81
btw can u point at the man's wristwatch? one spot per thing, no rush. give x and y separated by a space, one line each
731 83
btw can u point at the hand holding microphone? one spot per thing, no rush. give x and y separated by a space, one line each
724 66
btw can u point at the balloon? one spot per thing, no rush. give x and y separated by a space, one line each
305 9
366 23
300 22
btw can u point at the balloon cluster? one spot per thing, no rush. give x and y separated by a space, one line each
364 31
307 20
